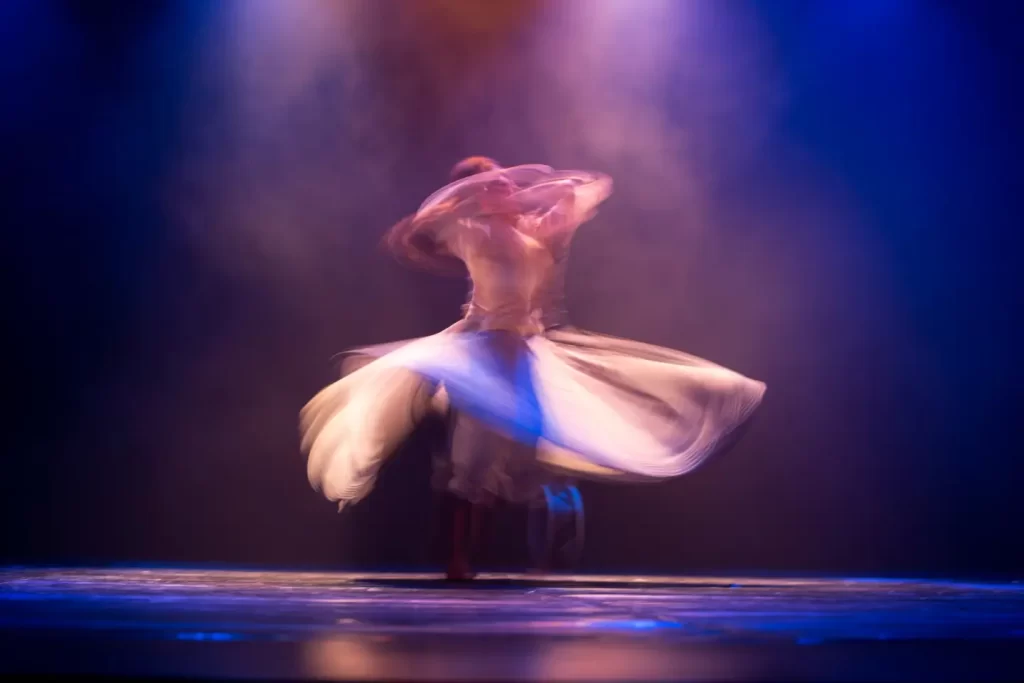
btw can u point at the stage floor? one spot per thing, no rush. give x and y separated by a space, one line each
304 626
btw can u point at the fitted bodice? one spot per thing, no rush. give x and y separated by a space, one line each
516 259
516 281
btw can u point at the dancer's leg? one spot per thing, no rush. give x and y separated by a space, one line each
483 466
462 532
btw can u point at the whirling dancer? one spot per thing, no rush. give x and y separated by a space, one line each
533 399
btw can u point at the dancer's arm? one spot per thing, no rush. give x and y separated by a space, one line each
415 241
423 240
562 204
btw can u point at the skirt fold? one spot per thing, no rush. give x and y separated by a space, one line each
588 405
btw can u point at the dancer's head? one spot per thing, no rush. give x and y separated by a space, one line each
473 165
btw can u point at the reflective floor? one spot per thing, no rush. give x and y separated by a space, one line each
302 626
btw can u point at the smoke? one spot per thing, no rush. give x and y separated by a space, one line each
311 126
314 125
791 202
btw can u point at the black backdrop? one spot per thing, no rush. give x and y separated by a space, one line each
819 195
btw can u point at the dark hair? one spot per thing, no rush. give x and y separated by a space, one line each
471 166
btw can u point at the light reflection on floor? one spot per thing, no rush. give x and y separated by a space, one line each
414 626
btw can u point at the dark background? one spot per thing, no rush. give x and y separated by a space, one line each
820 195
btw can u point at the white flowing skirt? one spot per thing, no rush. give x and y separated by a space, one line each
590 405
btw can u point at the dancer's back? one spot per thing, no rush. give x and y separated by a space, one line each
511 229
507 267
